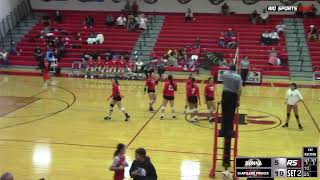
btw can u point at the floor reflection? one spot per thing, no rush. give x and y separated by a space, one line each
190 170
41 156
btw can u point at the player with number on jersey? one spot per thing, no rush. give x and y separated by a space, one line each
151 83
188 82
193 97
209 97
168 96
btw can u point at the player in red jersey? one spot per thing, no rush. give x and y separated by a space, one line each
209 97
121 67
168 96
99 66
188 82
193 97
90 68
116 100
151 83
113 67
119 162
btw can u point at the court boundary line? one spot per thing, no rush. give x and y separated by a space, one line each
311 116
142 128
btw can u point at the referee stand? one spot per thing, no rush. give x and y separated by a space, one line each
227 149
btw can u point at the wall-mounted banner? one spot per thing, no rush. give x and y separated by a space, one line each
184 1
254 77
216 2
150 1
288 2
249 2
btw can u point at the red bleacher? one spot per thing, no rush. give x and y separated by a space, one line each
314 47
115 38
176 34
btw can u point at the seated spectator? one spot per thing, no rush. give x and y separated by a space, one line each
312 33
265 38
135 8
121 20
264 16
86 56
13 49
109 20
273 58
274 37
88 22
254 17
47 31
39 56
4 58
195 53
197 43
6 176
191 65
189 15
225 9
143 22
173 60
46 20
58 17
280 28
232 43
131 26
221 42
283 56
229 34
77 36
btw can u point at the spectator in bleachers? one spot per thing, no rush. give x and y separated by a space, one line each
173 60
88 22
4 58
264 16
77 36
13 49
39 56
195 53
6 176
109 20
312 33
131 26
229 34
265 38
127 7
280 28
197 43
225 9
135 8
121 20
86 56
58 17
232 43
221 42
283 56
274 37
273 58
45 20
254 17
143 22
189 15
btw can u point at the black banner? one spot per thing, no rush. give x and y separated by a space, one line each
253 162
211 59
253 173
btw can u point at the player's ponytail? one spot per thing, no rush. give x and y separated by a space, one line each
120 146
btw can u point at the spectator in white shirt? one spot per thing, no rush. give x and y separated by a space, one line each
189 15
143 22
280 27
121 20
274 37
293 97
264 17
265 38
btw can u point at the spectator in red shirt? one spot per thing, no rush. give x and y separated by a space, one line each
168 96
209 97
193 97
312 34
116 100
121 67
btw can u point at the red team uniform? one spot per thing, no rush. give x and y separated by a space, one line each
114 64
45 74
91 63
209 92
193 93
121 65
151 84
116 92
99 63
168 90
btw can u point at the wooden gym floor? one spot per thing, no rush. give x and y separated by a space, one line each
59 133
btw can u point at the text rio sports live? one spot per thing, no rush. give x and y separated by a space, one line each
282 8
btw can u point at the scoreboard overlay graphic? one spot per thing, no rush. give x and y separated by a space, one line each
268 168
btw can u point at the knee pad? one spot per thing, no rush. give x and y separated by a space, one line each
288 114
122 109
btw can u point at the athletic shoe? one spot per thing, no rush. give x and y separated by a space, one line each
127 118
174 116
107 118
285 125
300 127
161 118
151 109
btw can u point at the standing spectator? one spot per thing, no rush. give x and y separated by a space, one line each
4 58
293 97
142 168
6 176
197 43
121 20
131 25
119 162
225 9
88 22
264 16
189 15
280 28
109 20
135 8
58 17
39 56
312 33
273 58
230 100
143 22
244 69
254 17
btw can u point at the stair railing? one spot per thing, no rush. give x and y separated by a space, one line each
301 64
